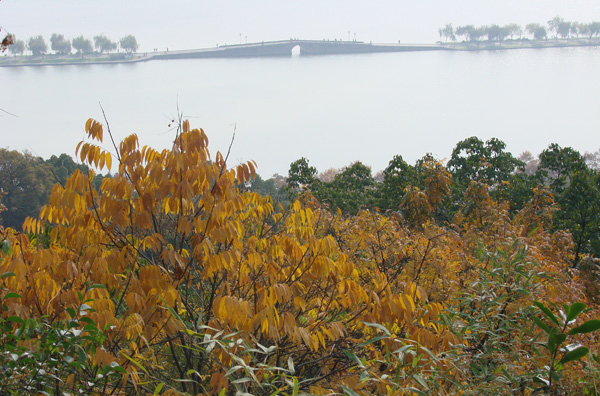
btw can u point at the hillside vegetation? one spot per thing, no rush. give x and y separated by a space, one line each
174 277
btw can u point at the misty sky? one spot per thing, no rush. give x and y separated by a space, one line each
430 101
183 24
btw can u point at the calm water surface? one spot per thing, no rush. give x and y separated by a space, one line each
332 110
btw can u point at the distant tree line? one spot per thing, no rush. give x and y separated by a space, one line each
81 45
557 27
27 180
564 181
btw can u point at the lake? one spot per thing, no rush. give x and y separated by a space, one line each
332 110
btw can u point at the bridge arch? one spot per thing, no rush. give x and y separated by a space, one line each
296 50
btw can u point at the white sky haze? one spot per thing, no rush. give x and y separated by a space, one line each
186 24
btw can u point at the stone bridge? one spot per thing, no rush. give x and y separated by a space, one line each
285 48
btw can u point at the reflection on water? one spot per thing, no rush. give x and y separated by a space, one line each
332 110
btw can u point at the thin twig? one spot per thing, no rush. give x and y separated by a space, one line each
109 132
179 128
4 111
231 144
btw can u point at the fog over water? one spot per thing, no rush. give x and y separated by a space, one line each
332 109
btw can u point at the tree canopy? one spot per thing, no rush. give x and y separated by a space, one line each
17 48
37 45
172 277
59 44
496 33
26 183
474 160
129 44
82 45
301 174
104 44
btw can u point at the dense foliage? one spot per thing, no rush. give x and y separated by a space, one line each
26 182
431 189
173 277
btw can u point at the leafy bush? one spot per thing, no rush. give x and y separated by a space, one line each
52 357
171 278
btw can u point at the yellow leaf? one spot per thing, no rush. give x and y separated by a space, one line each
101 161
83 152
108 160
78 147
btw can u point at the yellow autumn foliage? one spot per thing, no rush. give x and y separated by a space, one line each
170 253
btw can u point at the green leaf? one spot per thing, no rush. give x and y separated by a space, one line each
132 360
547 311
349 391
575 354
12 295
6 248
119 369
428 351
233 370
354 358
364 376
575 310
380 327
158 388
98 286
587 327
90 328
541 380
541 324
87 320
174 314
71 312
420 380
241 380
15 319
7 274
372 340
554 340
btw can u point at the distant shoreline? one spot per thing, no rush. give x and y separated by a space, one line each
284 48
523 44
61 60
